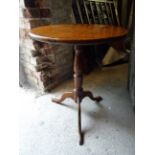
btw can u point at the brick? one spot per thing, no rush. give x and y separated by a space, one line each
44 66
34 3
50 86
47 49
30 3
35 53
30 12
43 59
47 82
39 22
48 73
35 12
44 48
29 23
38 45
38 48
45 13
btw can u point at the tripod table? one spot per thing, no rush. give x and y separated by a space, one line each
78 35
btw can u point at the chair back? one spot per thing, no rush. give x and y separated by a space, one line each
96 11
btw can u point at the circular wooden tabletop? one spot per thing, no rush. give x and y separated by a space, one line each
77 33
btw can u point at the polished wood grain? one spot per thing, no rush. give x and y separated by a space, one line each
77 33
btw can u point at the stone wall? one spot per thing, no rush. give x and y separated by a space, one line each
44 66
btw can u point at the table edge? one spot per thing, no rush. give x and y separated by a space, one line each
81 42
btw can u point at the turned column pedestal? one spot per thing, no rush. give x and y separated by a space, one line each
78 93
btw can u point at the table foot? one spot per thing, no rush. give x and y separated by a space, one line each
79 122
90 95
73 96
63 97
81 137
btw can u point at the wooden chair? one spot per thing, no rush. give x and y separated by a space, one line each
98 12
